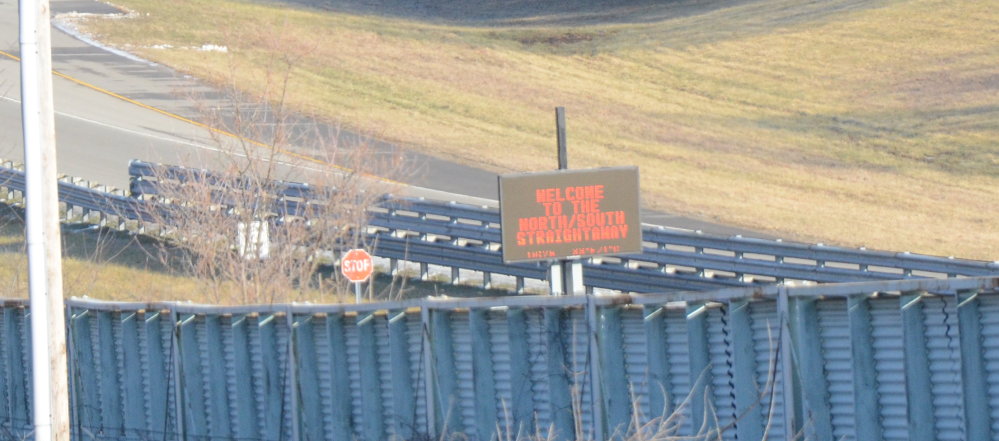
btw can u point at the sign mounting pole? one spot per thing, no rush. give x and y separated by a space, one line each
565 277
50 397
563 154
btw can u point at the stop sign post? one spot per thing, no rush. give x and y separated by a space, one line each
357 267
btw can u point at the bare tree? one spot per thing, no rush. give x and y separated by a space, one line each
245 228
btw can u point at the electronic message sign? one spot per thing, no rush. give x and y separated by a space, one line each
570 213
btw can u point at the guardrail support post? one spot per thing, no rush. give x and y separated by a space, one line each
565 277
556 282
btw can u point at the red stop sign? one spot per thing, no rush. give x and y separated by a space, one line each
356 265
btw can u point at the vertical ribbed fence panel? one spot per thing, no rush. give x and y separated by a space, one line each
243 392
942 338
464 406
837 369
538 397
484 387
585 374
816 412
746 392
349 333
657 365
767 402
111 374
617 390
195 413
521 386
889 356
86 400
16 369
867 409
404 423
132 394
270 377
338 402
502 370
988 307
121 386
6 409
559 373
701 408
722 413
372 401
919 399
975 387
416 336
677 413
312 425
656 381
216 373
444 378
887 360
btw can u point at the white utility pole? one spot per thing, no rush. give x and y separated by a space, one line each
48 314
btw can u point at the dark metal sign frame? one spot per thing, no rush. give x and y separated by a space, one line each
568 214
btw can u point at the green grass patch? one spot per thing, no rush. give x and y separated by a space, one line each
858 123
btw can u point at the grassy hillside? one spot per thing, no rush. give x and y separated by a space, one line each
871 123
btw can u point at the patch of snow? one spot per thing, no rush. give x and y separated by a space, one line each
213 48
67 24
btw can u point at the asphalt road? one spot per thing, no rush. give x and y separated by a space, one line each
111 108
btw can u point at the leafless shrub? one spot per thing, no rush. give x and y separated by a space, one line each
240 224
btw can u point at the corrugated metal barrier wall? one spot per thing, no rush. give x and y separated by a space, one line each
892 360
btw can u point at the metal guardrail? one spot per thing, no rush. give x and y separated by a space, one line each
672 259
465 238
892 360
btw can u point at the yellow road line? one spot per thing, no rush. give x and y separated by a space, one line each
190 121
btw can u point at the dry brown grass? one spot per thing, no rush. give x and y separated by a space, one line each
855 123
109 265
104 266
